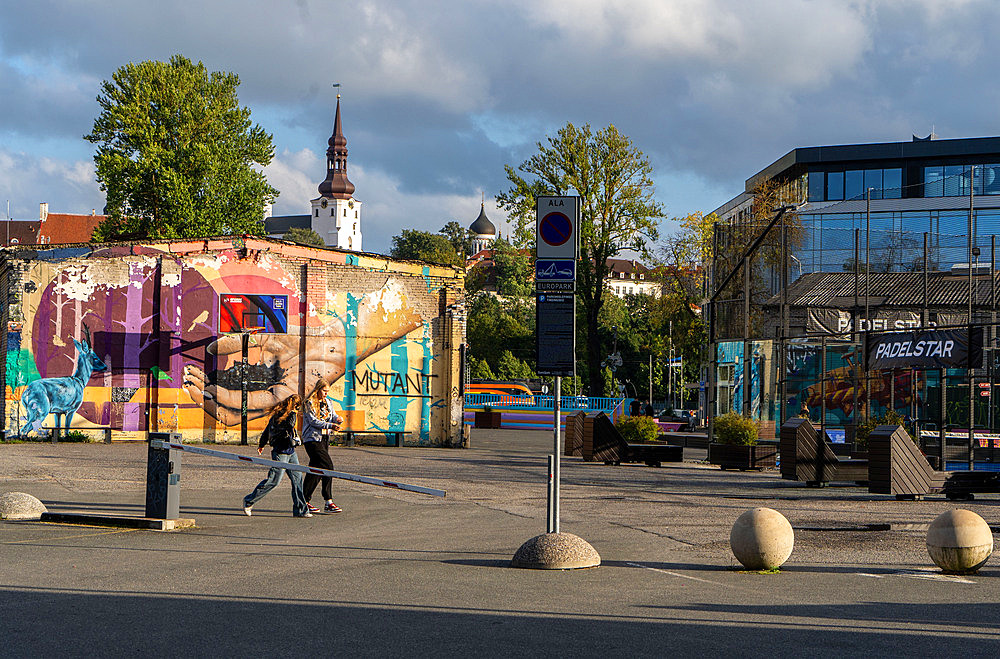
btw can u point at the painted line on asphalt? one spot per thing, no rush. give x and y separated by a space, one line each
67 537
916 574
673 574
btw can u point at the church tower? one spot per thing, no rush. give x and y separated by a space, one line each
336 214
483 231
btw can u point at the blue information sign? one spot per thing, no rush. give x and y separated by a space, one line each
555 270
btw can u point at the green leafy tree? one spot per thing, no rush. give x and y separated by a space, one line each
514 268
177 156
495 326
459 237
479 369
614 181
424 246
304 236
510 367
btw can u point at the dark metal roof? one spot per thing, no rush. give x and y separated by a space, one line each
336 185
277 225
482 226
888 289
962 148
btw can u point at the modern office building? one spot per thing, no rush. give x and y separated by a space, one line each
882 239
893 193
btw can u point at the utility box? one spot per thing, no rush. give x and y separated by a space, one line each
163 477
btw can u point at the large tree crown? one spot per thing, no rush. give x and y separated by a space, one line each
177 155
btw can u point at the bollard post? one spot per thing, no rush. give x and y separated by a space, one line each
163 477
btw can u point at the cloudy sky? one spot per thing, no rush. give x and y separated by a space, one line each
439 95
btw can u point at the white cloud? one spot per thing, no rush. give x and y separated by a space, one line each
26 180
797 43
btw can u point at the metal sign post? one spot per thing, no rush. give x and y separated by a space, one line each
557 243
557 238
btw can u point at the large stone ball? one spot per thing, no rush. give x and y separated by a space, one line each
18 505
959 541
762 539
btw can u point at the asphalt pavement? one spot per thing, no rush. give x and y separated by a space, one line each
402 575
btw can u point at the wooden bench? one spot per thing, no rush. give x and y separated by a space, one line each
395 435
610 447
805 456
573 439
898 467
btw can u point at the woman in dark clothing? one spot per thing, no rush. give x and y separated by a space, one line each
280 434
317 416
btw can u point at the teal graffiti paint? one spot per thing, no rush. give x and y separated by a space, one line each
351 350
427 279
400 363
425 402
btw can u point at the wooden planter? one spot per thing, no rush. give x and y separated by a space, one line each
488 419
728 456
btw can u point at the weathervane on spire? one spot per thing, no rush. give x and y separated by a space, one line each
337 85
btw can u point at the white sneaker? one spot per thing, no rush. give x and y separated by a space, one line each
247 510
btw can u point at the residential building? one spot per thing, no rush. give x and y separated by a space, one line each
51 228
629 277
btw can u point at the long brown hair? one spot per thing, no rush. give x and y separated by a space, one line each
281 411
314 398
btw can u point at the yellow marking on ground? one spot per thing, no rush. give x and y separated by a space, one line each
68 537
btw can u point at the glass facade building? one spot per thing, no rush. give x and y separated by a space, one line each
884 200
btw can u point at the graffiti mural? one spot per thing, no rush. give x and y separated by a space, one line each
63 396
170 326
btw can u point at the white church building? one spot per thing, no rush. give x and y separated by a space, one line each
335 214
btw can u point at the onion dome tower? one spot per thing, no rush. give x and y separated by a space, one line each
336 214
483 231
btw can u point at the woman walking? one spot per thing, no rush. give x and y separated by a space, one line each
318 417
280 434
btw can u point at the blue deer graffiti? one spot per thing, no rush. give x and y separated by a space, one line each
61 396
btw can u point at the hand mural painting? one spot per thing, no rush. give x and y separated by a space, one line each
373 328
61 396
284 360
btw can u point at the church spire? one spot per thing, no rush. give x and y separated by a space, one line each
336 185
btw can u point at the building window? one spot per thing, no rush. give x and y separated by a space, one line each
355 215
331 212
873 182
992 179
345 212
835 186
934 181
317 213
953 180
854 184
816 181
892 183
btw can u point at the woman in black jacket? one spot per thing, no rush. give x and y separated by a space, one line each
280 434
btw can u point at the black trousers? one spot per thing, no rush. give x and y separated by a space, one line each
319 456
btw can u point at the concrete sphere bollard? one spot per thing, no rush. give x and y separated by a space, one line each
20 506
762 539
959 541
